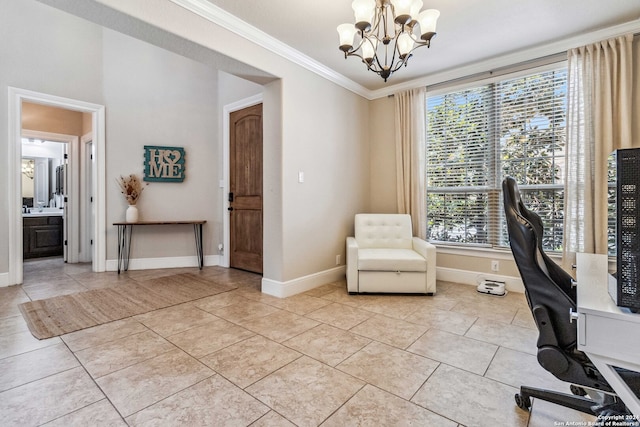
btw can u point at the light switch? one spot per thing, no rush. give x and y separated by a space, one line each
300 176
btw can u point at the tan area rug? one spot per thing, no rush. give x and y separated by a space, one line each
67 313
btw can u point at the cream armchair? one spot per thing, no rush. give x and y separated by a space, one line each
385 257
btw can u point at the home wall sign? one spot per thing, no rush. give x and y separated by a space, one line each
163 164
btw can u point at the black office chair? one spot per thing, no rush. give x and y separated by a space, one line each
551 296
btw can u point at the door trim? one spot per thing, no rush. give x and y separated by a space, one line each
85 206
224 184
15 98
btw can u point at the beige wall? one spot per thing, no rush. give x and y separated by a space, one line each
156 97
153 96
383 155
44 118
87 125
305 130
478 264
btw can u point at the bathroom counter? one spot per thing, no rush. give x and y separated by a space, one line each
36 213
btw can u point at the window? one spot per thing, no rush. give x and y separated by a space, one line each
477 136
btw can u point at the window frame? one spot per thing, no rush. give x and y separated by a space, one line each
494 245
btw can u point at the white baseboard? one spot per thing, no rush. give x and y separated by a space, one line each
169 262
302 284
512 284
4 280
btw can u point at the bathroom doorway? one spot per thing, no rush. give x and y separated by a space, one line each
90 136
45 199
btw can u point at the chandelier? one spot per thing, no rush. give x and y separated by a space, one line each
388 33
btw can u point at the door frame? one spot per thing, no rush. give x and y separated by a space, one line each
16 96
226 137
86 205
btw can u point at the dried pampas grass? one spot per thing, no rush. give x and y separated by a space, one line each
131 186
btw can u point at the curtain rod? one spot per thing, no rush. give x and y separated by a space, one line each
532 63
541 61
545 60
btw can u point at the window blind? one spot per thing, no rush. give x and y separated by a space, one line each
479 135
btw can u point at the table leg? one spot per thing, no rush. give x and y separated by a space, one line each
197 230
124 246
120 245
128 233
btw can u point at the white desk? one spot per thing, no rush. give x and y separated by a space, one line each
608 334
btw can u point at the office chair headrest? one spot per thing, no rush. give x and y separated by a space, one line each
530 223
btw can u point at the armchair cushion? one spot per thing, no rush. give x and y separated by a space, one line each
391 260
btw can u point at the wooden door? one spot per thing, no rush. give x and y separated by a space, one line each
245 186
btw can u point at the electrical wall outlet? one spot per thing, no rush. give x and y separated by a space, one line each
338 259
495 265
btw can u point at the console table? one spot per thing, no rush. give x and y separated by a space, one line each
607 333
125 229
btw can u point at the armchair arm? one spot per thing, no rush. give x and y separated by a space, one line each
352 264
428 251
423 247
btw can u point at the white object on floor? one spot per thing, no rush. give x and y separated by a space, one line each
492 287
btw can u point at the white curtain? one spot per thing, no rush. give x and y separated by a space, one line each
599 121
410 140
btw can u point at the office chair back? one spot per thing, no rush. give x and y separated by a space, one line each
549 294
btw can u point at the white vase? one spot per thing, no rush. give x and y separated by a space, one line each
132 214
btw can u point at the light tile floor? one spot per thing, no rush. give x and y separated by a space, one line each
245 358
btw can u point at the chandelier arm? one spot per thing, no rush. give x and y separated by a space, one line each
376 25
400 63
370 66
352 51
409 55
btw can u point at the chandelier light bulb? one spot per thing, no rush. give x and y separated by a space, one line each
416 5
405 44
427 20
347 33
369 47
402 10
364 11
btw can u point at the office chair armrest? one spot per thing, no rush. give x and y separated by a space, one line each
547 336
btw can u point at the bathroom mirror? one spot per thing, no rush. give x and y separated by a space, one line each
28 171
36 181
39 162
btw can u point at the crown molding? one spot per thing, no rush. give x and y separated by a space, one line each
234 24
511 59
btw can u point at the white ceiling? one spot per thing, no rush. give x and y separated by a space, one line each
469 31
